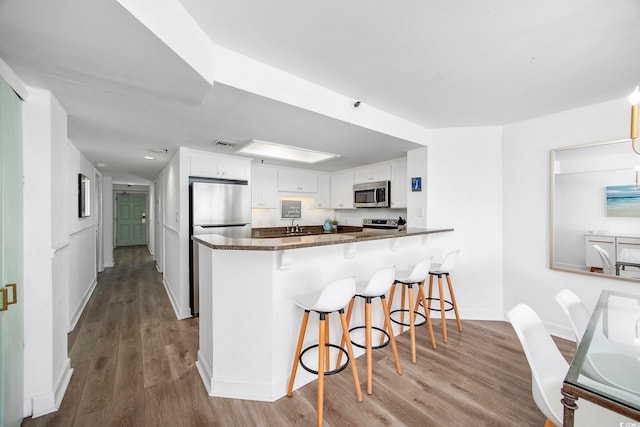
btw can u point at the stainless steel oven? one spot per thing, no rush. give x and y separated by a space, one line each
372 195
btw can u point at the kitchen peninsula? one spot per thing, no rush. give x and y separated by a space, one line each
249 321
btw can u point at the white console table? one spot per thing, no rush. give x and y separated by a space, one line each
614 244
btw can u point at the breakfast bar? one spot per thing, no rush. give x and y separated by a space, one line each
248 287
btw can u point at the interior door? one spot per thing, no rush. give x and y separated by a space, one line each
131 219
11 323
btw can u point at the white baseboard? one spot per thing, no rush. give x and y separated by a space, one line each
180 314
75 316
62 382
50 401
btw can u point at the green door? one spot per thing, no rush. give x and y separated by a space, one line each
131 219
11 290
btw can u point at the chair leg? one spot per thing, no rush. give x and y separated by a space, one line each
327 349
453 301
387 326
294 369
354 368
367 325
391 293
427 314
402 310
321 347
443 314
412 326
342 342
430 291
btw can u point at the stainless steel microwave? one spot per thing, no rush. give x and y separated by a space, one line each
372 195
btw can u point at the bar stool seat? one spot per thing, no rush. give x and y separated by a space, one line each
331 299
417 276
376 287
439 270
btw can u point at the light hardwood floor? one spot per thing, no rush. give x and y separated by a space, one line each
134 365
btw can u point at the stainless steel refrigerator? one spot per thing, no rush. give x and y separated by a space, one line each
217 206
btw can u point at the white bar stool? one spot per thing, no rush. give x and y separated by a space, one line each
331 299
376 287
417 276
439 270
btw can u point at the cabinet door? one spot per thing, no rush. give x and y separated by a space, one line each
399 184
204 166
219 167
628 248
287 180
372 173
293 181
342 190
264 188
308 182
233 169
323 197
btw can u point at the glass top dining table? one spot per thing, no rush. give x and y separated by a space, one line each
606 367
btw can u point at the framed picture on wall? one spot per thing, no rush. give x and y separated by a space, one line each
84 196
623 200
416 183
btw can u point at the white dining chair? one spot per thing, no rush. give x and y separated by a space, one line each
607 266
576 312
548 369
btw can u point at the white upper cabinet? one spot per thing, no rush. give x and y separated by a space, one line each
399 184
297 181
264 187
323 197
210 166
373 173
342 190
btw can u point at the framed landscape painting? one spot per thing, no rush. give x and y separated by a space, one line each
623 200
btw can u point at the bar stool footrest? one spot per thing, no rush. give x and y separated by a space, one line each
331 372
374 347
417 313
449 304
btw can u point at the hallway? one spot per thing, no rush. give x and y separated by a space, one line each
134 365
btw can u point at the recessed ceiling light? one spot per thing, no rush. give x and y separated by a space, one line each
101 165
149 157
284 152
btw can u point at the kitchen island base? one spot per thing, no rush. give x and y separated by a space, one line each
248 317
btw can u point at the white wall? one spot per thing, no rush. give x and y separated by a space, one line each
463 187
176 232
526 151
82 237
46 253
107 220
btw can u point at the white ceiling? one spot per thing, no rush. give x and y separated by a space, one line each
437 64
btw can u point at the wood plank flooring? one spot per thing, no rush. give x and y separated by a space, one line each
134 365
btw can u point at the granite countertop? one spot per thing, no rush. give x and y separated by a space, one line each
215 241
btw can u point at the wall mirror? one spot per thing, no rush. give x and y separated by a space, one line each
84 196
595 210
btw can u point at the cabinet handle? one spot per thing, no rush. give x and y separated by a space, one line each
629 243
3 306
13 300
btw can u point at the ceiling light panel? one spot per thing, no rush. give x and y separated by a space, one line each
284 152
